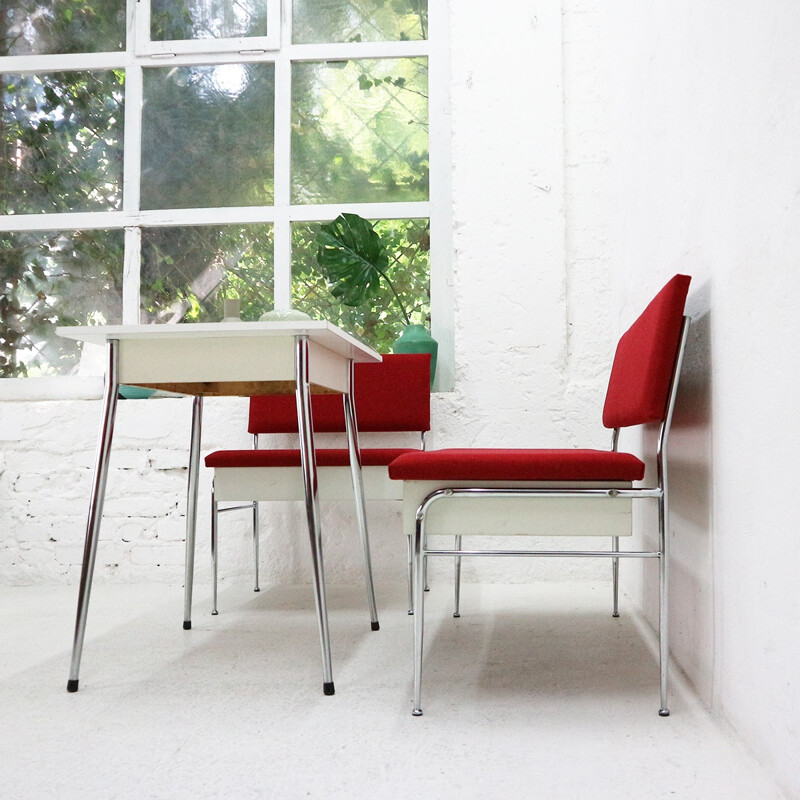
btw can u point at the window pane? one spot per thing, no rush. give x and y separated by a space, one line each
207 136
187 272
35 27
207 19
49 279
408 244
360 131
61 135
359 20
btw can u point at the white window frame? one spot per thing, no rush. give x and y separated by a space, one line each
144 45
438 207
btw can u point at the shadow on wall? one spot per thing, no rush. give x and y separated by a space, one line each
691 493
690 472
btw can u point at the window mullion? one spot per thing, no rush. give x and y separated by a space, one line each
283 175
131 300
132 168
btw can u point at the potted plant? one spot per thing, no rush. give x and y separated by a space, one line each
354 260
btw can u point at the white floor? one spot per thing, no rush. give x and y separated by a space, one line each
535 692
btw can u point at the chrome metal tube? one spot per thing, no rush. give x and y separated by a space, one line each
410 577
256 555
214 552
351 428
545 553
457 582
663 522
256 531
523 492
419 613
191 508
308 461
96 500
615 576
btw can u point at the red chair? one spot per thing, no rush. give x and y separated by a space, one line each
390 396
479 492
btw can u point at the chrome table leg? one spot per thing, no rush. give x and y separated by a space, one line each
419 614
191 509
309 465
358 490
97 497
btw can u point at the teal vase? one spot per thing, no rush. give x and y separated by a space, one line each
416 339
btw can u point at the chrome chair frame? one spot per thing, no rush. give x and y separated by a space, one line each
660 493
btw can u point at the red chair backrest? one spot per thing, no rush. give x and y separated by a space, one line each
638 388
393 395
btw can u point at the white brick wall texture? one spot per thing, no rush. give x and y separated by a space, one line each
533 339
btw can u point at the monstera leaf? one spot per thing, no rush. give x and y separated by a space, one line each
353 259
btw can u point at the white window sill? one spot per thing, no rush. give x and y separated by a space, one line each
55 388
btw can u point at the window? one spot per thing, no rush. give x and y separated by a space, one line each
146 176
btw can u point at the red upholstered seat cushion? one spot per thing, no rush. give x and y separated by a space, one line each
639 384
516 465
393 395
330 457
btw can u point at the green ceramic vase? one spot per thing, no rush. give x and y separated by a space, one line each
416 339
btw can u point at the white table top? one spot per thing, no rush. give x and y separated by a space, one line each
319 331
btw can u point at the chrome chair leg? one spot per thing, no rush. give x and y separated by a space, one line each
358 491
214 552
410 576
310 481
191 509
419 614
457 602
663 616
256 587
615 575
102 456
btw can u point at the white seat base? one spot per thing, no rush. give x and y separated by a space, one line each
286 483
530 516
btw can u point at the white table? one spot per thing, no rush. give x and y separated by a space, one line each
243 359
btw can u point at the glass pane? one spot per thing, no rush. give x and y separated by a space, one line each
35 27
207 19
408 244
55 278
360 131
359 20
186 273
207 136
61 135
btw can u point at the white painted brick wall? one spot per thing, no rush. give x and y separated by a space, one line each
533 337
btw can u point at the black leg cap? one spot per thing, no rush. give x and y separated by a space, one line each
187 624
256 590
72 685
327 688
376 626
663 712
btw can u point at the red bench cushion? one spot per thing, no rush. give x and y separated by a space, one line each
331 457
394 395
516 465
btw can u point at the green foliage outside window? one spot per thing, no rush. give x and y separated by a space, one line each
359 133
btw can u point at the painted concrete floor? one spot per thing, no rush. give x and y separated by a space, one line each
536 692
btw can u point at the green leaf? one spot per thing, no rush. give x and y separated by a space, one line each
352 257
